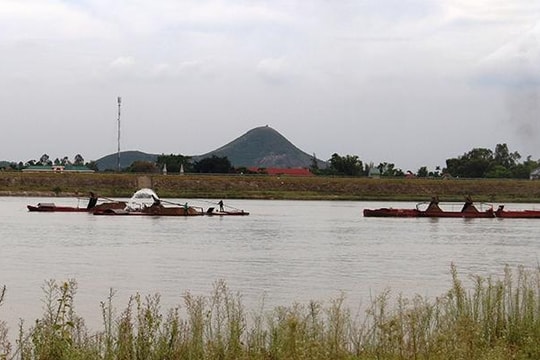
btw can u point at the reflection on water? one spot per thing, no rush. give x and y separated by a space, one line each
285 251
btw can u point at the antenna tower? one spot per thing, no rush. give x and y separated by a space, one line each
118 152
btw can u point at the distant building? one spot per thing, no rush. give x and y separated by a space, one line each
58 168
409 175
535 174
282 171
374 172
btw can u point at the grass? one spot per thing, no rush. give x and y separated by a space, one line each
268 187
494 319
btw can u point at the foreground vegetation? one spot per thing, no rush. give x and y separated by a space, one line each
495 319
268 187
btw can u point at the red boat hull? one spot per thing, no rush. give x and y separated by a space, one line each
389 212
54 208
431 212
227 213
51 207
169 211
518 214
152 211
459 214
213 212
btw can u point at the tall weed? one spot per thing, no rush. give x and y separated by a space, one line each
493 319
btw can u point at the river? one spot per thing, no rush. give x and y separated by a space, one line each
284 252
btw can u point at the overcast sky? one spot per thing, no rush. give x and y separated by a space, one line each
412 82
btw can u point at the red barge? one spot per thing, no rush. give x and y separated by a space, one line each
517 214
433 210
468 210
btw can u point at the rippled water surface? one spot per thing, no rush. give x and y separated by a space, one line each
285 251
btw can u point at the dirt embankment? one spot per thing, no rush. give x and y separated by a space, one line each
266 187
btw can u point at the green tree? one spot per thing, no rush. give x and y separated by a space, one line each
349 165
213 164
141 166
244 170
175 162
473 164
92 165
78 160
422 172
481 162
502 156
523 170
44 160
498 171
314 167
436 173
389 169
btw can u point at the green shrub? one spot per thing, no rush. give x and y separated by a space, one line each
495 319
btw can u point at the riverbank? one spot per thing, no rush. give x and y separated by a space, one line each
267 187
497 319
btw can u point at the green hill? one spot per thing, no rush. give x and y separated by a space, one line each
261 147
110 162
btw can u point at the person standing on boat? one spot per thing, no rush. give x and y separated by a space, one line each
434 204
220 203
468 204
156 202
92 201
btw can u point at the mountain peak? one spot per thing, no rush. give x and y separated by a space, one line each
262 147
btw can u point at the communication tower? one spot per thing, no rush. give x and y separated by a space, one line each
118 152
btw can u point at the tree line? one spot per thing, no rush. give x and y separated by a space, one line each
45 160
180 163
476 163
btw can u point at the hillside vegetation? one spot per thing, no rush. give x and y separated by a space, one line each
267 187
110 162
259 147
263 147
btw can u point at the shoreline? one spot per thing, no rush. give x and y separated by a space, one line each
264 187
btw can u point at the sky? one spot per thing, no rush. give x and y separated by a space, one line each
409 82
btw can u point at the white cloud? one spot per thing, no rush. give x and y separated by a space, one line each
388 70
123 62
168 70
49 20
274 69
516 63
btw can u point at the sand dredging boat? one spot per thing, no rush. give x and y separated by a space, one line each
144 202
434 209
